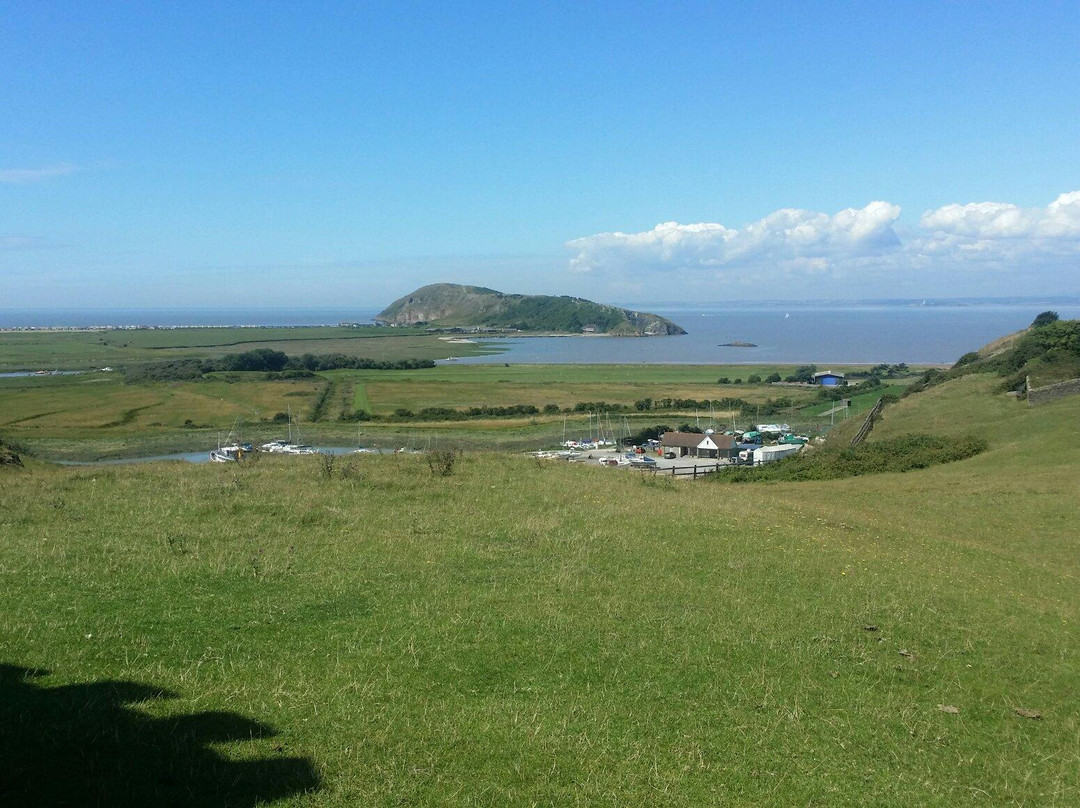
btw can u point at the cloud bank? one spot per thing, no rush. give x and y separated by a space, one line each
26 176
867 242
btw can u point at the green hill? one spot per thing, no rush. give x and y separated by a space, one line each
449 305
1046 352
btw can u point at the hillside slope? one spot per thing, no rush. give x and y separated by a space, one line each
568 636
450 304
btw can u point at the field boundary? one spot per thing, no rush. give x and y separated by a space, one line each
868 424
1051 392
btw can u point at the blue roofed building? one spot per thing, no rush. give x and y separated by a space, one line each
827 378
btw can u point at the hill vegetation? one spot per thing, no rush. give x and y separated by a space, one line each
453 305
1047 352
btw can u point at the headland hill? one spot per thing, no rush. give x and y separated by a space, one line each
451 305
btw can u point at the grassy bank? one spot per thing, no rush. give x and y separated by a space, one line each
523 633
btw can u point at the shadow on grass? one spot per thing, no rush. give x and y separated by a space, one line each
84 745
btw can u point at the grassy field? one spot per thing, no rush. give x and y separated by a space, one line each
521 633
459 386
94 415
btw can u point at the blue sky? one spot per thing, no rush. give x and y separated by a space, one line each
327 154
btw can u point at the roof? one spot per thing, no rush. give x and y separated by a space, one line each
688 440
720 441
827 373
786 448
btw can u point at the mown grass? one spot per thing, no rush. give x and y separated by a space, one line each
521 633
860 402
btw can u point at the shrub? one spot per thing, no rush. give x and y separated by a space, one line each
967 359
441 461
906 453
1045 318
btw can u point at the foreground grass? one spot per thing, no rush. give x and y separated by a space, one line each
520 633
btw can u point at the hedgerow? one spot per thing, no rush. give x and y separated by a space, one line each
905 453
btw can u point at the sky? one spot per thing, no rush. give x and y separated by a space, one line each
330 154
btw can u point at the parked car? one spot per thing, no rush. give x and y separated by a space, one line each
669 455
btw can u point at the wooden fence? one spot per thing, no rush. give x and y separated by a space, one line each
868 424
685 471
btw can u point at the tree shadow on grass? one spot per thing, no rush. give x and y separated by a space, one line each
84 745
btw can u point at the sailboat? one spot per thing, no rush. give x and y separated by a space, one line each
288 447
234 450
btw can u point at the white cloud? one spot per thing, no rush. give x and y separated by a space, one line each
798 238
951 242
26 176
996 220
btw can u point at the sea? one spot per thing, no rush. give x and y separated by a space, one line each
789 333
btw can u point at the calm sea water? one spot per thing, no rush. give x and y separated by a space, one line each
794 333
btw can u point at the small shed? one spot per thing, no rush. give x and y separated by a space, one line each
827 378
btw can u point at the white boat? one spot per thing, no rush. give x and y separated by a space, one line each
228 454
287 446
233 451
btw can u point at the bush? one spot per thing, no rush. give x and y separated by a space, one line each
1045 318
753 378
358 415
906 453
646 434
773 377
967 359
441 461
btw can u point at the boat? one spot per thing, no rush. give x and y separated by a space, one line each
233 451
228 454
287 446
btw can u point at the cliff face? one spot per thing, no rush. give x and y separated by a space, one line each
448 304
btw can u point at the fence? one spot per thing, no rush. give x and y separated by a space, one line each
687 471
868 424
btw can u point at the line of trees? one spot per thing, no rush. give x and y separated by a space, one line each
277 364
